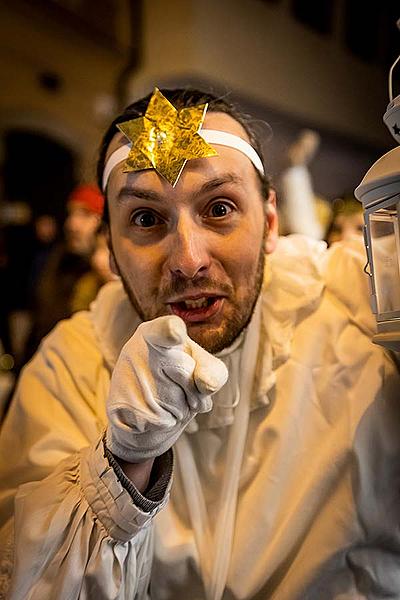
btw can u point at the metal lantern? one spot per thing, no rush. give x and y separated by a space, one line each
379 193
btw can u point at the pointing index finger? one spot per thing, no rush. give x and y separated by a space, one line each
165 332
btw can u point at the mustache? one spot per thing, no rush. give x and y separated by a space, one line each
180 284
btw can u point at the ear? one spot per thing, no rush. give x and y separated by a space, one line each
271 223
111 258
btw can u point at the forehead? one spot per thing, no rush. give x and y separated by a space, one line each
196 171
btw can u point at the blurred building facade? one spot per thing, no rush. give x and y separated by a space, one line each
67 65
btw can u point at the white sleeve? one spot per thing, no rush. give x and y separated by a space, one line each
78 531
298 208
79 535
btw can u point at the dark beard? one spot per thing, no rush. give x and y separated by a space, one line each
237 322
233 327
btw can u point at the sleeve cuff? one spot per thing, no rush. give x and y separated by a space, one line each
122 512
161 478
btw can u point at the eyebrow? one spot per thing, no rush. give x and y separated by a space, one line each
127 192
217 182
134 192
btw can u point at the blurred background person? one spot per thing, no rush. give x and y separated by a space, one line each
347 220
84 210
301 210
45 230
87 286
67 262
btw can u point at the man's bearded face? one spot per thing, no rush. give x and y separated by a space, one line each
195 250
211 333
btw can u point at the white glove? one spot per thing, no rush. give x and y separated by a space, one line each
161 380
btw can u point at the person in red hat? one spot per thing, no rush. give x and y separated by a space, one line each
84 210
67 263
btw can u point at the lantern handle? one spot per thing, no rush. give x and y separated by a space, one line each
392 68
367 264
391 78
366 269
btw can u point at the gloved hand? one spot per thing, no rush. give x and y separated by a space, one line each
162 379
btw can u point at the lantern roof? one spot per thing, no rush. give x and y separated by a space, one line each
381 181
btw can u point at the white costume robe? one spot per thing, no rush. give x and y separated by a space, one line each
316 495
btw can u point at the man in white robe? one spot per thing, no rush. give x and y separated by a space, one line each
283 417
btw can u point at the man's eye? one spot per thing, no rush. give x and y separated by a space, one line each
220 209
145 218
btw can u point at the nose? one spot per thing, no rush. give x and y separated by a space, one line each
188 253
71 223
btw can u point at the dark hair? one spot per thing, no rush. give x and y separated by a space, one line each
182 98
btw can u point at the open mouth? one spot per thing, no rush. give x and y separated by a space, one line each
197 309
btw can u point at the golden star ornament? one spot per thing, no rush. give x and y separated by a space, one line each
165 138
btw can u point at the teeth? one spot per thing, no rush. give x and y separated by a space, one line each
200 303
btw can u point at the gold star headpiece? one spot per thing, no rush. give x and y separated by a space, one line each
165 138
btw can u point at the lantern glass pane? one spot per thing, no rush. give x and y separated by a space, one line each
385 245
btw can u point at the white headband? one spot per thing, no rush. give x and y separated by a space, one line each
212 136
